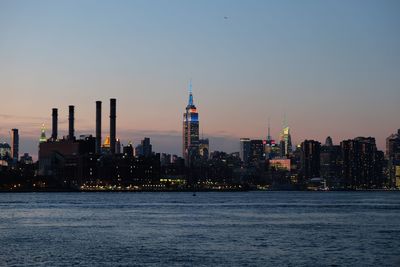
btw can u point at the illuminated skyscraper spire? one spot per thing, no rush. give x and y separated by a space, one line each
285 139
190 94
43 134
269 131
190 130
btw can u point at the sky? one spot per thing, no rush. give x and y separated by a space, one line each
333 67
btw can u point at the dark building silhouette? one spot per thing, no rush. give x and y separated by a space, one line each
256 150
113 124
54 133
71 120
328 142
128 150
362 166
117 146
98 127
26 159
330 160
310 159
165 159
14 145
245 149
147 147
393 158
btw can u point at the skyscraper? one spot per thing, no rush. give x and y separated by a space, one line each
362 166
285 140
14 145
330 163
113 127
204 148
310 159
393 157
147 147
256 150
190 130
245 149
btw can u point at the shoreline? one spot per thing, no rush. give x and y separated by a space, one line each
190 191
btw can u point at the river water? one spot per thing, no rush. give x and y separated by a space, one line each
209 229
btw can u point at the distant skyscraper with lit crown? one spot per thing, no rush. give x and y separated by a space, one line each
285 140
190 130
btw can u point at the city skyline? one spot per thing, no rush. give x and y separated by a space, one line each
332 74
200 133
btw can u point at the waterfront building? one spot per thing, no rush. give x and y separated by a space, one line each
310 159
362 163
330 163
393 158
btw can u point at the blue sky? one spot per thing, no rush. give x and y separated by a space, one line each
332 66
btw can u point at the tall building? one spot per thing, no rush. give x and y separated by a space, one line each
98 127
5 151
330 162
257 150
190 130
204 148
147 147
271 149
138 151
362 163
393 157
26 159
117 146
285 141
251 150
245 149
165 159
14 145
128 150
310 159
113 125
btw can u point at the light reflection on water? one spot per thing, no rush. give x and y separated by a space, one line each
231 229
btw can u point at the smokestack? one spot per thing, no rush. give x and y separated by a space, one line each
15 145
71 130
55 124
113 107
98 127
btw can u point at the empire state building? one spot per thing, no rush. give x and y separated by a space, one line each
190 130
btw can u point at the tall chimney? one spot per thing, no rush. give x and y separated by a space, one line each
113 107
71 131
98 127
55 124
